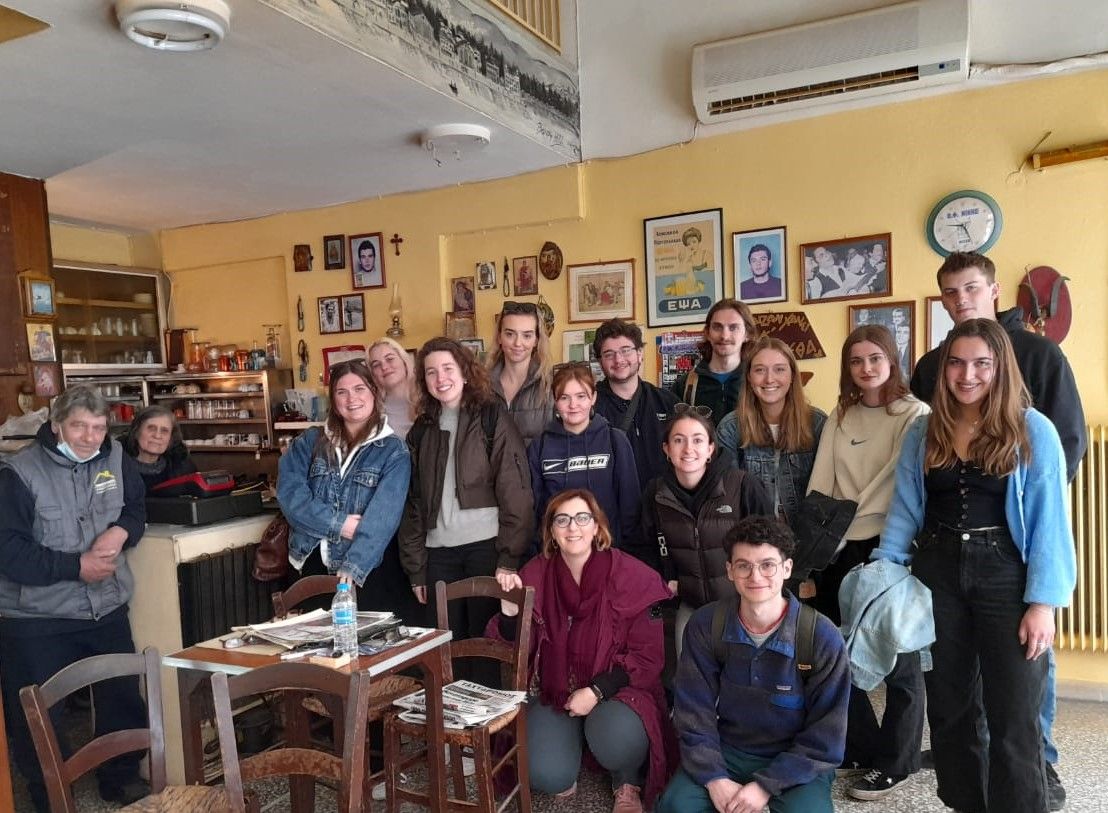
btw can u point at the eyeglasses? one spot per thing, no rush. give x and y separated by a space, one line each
698 409
744 570
519 307
562 520
623 353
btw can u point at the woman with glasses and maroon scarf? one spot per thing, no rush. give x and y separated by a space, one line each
596 655
689 508
520 368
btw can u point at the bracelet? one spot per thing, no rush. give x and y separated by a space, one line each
599 694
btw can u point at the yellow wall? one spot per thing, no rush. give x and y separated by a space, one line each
841 175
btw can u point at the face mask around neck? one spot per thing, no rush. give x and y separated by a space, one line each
67 450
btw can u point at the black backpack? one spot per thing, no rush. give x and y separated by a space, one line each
805 634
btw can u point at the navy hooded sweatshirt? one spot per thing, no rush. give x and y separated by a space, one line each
599 459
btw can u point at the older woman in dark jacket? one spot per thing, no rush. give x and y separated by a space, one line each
597 656
154 441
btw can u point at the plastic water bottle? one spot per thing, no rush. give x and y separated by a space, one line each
344 615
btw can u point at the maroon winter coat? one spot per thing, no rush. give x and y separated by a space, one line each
628 638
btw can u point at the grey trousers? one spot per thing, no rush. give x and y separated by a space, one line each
555 743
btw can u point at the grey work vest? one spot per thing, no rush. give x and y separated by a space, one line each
74 503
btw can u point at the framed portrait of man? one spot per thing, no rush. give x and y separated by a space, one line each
367 261
330 320
760 265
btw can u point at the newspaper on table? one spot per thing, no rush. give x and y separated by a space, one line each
464 704
314 627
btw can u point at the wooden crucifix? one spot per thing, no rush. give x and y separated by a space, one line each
396 241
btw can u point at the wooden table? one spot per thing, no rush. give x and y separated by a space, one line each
196 664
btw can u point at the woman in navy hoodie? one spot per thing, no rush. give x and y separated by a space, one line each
579 449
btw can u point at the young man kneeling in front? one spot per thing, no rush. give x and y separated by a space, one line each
757 729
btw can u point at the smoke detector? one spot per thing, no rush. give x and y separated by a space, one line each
186 25
454 139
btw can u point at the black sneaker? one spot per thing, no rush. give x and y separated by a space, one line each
127 793
927 760
852 768
875 785
1055 793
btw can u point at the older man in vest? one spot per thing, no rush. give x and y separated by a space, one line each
73 501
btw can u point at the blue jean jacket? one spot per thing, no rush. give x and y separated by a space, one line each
316 500
784 474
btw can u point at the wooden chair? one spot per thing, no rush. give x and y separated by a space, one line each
478 738
295 760
59 773
381 692
300 591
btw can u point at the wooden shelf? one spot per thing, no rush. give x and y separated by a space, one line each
219 420
108 303
201 396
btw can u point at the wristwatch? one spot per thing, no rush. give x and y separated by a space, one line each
599 694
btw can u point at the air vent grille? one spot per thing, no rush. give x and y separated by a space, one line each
868 81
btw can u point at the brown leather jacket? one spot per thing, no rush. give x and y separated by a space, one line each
497 477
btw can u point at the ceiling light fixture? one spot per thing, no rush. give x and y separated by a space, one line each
452 139
164 25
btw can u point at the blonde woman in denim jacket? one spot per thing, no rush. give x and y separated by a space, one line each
773 433
342 488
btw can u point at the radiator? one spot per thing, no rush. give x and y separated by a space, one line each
1083 626
219 591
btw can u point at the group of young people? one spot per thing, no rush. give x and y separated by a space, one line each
613 497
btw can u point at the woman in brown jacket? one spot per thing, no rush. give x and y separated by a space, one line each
470 510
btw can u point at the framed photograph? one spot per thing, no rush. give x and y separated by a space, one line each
684 266
461 294
939 322
38 297
524 272
48 380
459 326
301 258
577 346
760 265
353 312
340 352
475 346
601 291
330 319
847 269
334 251
899 318
486 275
40 341
367 261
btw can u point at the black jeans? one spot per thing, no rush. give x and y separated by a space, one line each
32 659
977 586
893 744
468 618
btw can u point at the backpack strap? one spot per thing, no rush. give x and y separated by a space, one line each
724 607
806 640
691 380
632 407
490 413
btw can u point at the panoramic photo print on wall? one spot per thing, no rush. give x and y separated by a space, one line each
462 48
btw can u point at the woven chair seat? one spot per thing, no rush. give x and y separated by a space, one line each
381 694
182 799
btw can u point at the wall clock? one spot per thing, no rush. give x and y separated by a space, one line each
964 221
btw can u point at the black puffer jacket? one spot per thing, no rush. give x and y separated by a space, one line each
694 525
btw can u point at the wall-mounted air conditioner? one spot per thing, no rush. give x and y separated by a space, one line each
886 50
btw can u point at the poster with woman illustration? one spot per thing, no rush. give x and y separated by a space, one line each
684 266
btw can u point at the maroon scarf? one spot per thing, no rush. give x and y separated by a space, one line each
571 615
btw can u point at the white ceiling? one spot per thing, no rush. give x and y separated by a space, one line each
281 118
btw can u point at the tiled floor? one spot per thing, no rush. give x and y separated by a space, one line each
1081 730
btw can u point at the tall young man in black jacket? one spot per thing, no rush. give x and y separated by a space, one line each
969 290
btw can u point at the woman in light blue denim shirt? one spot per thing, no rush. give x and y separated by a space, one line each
774 432
342 488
